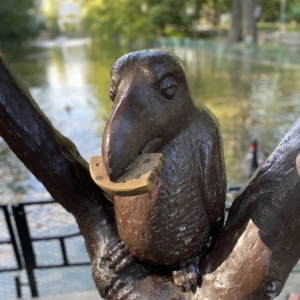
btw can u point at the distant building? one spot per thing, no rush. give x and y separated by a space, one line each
67 13
69 16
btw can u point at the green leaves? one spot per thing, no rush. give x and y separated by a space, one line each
132 20
18 21
271 10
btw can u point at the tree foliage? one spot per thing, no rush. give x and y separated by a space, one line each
132 19
211 10
271 10
112 19
18 20
176 14
50 12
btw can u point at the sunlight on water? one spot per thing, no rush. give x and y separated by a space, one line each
254 92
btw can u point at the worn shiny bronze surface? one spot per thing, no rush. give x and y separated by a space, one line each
260 243
137 180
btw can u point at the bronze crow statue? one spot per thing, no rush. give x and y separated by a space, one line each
153 113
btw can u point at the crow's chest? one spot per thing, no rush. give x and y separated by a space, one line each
169 224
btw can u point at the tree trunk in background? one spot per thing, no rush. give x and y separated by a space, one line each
195 32
243 25
248 21
235 33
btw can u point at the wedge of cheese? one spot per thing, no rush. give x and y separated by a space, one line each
137 180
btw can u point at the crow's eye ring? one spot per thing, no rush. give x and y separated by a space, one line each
168 87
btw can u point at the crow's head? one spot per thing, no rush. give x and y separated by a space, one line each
151 105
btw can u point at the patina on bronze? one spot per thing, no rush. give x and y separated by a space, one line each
153 112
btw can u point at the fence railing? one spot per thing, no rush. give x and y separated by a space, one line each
22 241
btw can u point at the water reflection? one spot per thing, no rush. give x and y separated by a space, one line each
255 93
254 96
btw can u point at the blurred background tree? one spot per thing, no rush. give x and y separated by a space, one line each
271 14
19 20
245 14
171 16
211 10
50 11
272 11
61 16
113 19
130 19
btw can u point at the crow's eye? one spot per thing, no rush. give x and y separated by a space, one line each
168 87
112 92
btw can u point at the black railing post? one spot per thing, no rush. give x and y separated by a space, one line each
12 237
64 252
27 249
18 286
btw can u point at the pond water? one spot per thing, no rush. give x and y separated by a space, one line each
253 91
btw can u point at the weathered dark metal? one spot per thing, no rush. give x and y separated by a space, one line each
252 256
153 112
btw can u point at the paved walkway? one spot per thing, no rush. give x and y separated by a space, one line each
281 38
78 296
291 286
